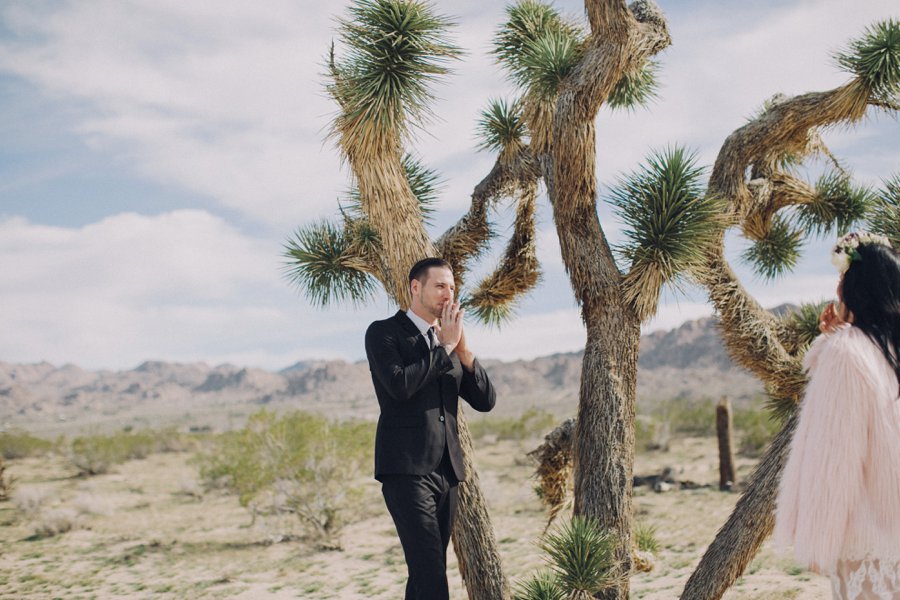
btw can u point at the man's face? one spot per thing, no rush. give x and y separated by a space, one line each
434 291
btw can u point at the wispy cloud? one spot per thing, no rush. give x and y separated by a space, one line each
180 286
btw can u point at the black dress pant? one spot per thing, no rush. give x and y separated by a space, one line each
423 507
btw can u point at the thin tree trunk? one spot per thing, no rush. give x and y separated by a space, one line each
604 434
604 437
727 478
737 542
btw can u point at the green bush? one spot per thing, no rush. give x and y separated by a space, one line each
688 416
96 454
755 426
18 443
532 424
297 465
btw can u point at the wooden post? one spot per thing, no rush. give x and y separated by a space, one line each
727 478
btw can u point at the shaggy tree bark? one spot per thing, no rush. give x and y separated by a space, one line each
604 439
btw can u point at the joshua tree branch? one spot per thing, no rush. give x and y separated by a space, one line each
747 527
518 271
750 332
779 190
467 238
784 128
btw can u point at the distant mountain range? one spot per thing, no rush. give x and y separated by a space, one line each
686 362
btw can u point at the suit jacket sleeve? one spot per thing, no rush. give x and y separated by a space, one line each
386 362
476 388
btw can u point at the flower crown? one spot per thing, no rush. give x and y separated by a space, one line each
845 252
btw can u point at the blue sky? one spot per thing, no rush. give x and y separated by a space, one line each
156 155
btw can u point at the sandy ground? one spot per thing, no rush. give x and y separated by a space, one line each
145 531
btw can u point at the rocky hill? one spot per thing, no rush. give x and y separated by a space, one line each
686 362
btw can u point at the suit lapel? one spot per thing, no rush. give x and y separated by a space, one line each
410 328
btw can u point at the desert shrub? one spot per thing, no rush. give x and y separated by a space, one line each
533 423
18 443
688 416
54 522
91 504
29 500
651 434
293 470
755 427
96 454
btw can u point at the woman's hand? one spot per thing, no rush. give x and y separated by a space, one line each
829 320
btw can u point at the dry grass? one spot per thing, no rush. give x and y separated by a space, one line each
208 548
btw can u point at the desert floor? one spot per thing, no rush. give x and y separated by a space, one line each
146 530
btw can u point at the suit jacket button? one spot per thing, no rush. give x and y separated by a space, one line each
442 418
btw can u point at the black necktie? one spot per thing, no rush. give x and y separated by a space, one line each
432 339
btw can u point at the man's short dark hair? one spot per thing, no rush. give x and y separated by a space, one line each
420 269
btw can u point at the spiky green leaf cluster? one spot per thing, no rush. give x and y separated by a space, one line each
778 252
884 215
538 47
582 556
492 314
543 585
803 324
875 59
396 49
637 88
501 125
320 263
669 219
423 182
838 205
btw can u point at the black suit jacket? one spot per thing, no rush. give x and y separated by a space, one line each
418 390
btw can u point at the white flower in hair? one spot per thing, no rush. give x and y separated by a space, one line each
845 252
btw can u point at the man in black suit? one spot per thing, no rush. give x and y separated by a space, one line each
420 368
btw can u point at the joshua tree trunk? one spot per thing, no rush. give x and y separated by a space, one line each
604 440
473 535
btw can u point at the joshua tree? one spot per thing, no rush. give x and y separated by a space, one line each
756 174
395 49
758 185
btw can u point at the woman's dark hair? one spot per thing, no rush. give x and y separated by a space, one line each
871 291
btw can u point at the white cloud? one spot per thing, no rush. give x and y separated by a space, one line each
223 99
226 99
179 286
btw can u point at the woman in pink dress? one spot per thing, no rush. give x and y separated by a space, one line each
839 499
